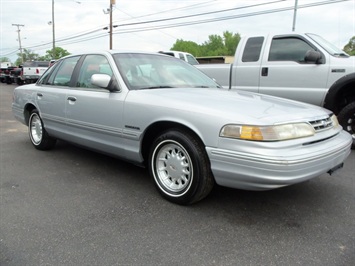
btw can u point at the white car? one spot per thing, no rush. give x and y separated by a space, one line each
162 113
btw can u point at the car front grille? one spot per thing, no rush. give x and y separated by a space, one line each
322 124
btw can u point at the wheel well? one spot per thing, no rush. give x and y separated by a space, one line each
155 129
341 94
27 111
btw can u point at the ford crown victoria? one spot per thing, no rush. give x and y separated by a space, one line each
162 113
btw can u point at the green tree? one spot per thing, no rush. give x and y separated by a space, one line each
187 46
58 53
5 59
350 47
215 45
27 55
231 42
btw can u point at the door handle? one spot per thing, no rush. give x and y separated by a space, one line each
265 71
71 98
39 94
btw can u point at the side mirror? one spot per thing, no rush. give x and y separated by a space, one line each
100 80
104 81
313 57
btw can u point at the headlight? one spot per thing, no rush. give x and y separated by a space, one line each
268 133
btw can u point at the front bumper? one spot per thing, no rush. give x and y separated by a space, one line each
277 167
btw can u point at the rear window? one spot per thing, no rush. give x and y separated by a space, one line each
36 64
252 49
43 64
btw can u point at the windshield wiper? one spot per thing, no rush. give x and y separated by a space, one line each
202 86
341 54
156 87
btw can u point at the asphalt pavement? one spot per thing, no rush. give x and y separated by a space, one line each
70 206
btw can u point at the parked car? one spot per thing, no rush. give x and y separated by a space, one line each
160 112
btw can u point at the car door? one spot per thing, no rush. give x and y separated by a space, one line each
51 95
285 73
246 68
94 115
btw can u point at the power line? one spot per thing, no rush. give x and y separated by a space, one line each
189 23
201 14
71 39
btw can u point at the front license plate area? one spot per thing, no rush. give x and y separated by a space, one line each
336 168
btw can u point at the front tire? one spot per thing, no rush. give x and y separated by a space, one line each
180 168
19 81
38 134
346 119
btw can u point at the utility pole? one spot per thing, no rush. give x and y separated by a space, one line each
294 15
110 27
19 38
112 2
53 31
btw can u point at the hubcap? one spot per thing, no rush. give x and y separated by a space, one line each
36 130
173 168
350 126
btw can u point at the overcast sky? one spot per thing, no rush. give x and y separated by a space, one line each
154 25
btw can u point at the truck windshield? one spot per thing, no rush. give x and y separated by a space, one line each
329 47
150 71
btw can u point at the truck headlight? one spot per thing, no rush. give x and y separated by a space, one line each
267 133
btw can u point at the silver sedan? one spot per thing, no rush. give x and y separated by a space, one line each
164 114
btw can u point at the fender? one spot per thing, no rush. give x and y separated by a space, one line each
341 93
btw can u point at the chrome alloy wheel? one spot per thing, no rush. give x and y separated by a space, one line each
350 126
173 168
36 130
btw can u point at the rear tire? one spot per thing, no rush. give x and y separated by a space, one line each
38 134
180 167
346 119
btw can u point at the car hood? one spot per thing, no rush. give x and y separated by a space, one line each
229 105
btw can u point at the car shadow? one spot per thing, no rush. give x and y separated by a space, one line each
289 207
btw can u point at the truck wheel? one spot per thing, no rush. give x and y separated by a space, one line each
346 119
180 168
19 82
38 135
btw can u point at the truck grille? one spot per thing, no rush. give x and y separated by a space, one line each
322 124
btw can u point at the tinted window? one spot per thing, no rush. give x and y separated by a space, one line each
43 64
29 64
63 75
92 64
36 64
288 49
252 49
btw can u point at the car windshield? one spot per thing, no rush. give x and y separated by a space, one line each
329 47
151 71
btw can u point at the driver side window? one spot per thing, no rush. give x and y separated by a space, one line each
288 49
92 64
